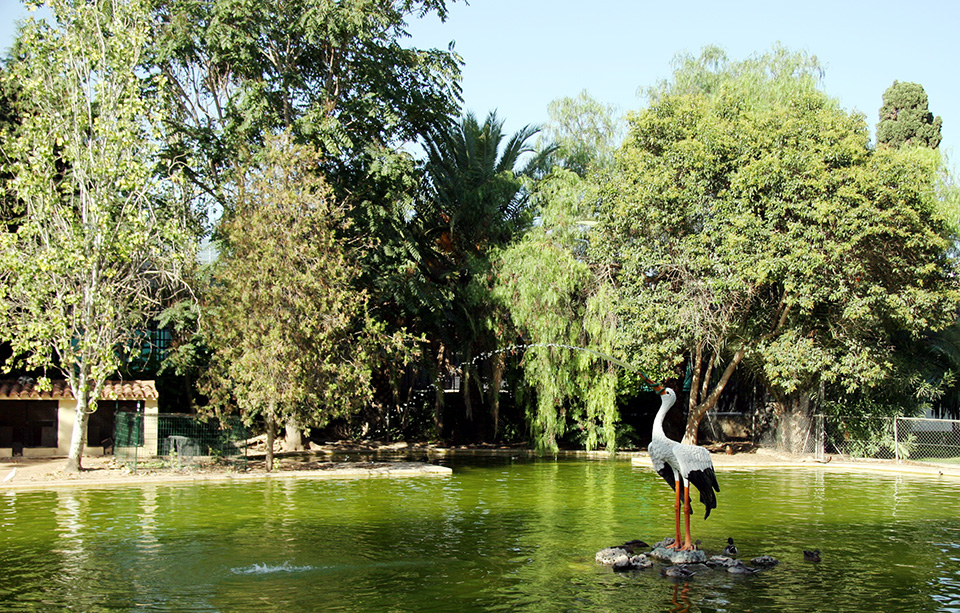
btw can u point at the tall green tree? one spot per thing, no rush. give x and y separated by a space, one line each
291 335
555 297
340 76
583 132
905 117
748 219
101 239
474 204
335 74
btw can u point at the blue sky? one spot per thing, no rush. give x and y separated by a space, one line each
521 54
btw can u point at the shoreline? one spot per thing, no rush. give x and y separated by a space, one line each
333 461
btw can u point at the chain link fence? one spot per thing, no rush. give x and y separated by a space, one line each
178 441
888 438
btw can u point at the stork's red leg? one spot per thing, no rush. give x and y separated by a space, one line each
687 545
676 514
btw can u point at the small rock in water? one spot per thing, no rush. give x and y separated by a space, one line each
677 572
665 542
674 556
812 556
739 569
765 561
632 563
720 561
610 555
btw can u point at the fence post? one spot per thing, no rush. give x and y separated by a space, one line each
896 438
819 437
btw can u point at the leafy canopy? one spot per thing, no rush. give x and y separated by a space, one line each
749 219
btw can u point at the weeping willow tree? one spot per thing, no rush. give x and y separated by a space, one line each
556 301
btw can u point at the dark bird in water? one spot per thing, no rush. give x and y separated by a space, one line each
812 556
730 549
680 465
635 545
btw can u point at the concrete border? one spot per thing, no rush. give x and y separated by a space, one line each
352 471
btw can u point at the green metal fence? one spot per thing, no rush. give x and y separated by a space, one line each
178 441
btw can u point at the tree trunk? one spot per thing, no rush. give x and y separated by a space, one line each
293 437
78 439
438 389
271 434
793 423
465 383
499 365
708 401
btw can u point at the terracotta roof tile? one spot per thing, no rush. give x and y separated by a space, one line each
24 389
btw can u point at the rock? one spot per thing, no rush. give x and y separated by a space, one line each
610 555
765 561
740 569
676 572
638 562
720 562
678 557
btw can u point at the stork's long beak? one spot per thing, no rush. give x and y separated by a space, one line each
656 386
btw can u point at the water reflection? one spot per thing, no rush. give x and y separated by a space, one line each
71 542
681 598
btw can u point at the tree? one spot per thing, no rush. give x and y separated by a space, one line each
554 295
291 336
332 73
556 299
101 243
474 204
748 220
339 77
583 132
905 118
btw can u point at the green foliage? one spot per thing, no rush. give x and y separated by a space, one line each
554 299
100 239
289 329
333 73
748 217
475 204
905 118
583 132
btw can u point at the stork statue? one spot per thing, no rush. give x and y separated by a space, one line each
680 465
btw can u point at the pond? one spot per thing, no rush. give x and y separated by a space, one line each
499 534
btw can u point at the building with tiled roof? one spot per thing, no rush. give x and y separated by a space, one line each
39 422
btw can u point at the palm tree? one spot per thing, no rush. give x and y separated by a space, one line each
474 204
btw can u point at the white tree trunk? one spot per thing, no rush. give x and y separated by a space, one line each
78 440
793 425
293 438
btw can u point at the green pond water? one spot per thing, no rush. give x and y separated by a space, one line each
499 534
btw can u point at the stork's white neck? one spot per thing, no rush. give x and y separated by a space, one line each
666 402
